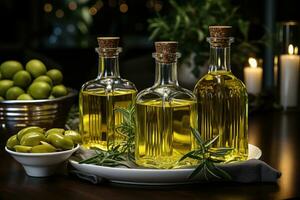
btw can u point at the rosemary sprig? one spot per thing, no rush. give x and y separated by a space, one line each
127 129
111 158
207 158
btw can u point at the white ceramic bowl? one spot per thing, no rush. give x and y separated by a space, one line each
41 164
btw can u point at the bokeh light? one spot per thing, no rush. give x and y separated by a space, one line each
123 8
59 13
48 7
72 5
93 11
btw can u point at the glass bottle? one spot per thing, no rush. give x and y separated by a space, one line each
222 99
164 114
99 97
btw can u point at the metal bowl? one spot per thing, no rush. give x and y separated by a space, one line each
46 113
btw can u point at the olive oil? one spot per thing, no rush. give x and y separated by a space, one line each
223 100
164 132
99 98
165 114
223 111
99 120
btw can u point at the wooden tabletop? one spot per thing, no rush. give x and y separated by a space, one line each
276 133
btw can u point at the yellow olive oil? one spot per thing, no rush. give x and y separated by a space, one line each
223 110
98 121
163 132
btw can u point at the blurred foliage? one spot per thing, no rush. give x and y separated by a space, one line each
188 22
73 118
70 22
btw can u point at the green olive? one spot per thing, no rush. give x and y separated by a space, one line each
4 86
48 137
55 130
60 141
32 138
29 129
55 75
36 68
39 90
9 68
74 135
12 141
22 79
43 148
24 97
51 97
44 78
59 91
13 93
23 149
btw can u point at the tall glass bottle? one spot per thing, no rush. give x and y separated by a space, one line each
222 99
165 112
99 97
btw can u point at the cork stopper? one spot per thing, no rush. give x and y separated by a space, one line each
220 31
220 36
166 51
108 46
108 42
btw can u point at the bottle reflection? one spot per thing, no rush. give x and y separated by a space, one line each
286 156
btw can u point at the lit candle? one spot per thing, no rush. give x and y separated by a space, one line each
289 75
253 77
275 70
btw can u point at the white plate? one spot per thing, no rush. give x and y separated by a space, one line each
147 176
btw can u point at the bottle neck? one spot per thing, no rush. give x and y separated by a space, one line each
219 59
166 74
108 66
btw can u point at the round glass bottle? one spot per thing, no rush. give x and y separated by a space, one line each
222 99
99 97
165 113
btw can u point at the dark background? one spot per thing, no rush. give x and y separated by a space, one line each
28 31
25 33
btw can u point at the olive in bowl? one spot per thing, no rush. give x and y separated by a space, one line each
40 151
32 94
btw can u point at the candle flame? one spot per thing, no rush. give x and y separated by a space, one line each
291 49
296 50
275 60
252 62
